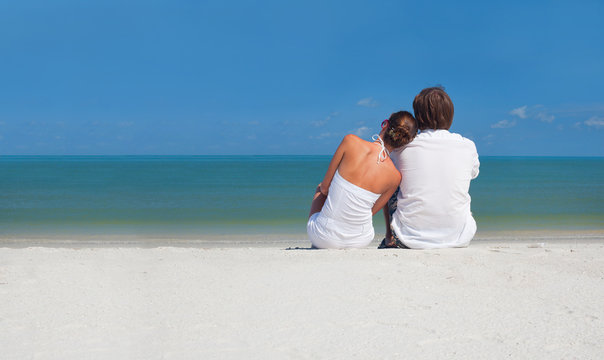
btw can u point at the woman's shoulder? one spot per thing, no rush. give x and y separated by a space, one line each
396 176
352 138
353 142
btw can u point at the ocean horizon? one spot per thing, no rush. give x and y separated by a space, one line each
260 196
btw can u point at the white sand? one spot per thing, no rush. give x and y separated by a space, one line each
489 301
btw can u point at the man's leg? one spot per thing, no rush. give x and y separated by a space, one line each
390 239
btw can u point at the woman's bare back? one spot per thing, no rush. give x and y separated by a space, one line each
360 166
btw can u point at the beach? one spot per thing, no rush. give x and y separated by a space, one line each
527 297
159 164
144 257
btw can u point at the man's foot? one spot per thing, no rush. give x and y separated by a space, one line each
392 244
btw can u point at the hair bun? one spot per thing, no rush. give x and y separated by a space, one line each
402 128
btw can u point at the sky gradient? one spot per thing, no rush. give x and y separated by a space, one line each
278 77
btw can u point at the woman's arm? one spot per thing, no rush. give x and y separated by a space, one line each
335 162
382 201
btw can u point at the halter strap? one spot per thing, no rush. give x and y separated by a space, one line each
383 154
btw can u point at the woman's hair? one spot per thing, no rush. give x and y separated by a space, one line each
433 109
401 129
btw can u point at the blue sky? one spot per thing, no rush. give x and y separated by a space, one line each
281 77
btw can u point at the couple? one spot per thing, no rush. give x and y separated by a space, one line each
421 182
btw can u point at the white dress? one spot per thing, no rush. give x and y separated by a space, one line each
345 221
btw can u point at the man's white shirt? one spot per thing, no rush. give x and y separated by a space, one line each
434 201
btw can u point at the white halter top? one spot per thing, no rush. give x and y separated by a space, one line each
383 152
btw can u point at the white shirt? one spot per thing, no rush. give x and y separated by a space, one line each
434 201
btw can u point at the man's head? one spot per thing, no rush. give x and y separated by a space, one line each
433 109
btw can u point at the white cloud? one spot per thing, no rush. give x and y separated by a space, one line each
597 122
362 131
580 110
537 112
367 102
504 124
319 123
520 112
322 136
489 139
544 117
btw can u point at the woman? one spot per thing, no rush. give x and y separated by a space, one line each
359 181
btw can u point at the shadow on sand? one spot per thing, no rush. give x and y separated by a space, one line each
302 248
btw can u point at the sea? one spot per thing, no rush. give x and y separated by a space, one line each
260 197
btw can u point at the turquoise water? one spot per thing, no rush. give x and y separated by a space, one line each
224 195
536 193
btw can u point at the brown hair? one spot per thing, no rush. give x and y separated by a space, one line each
401 129
433 109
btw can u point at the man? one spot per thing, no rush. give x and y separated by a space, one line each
432 208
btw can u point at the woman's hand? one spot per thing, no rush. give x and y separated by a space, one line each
324 189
